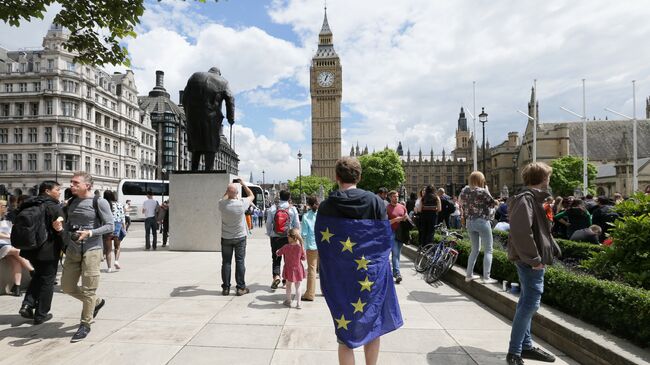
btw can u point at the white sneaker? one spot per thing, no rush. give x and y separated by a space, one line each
110 269
489 281
472 278
117 265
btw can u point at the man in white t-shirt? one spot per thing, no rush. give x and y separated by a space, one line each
149 209
233 235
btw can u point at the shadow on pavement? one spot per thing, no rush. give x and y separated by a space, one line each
26 336
453 352
426 297
192 291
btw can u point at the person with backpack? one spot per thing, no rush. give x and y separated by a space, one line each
280 218
88 217
150 208
447 207
11 253
45 257
531 247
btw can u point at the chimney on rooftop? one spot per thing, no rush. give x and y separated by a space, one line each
160 79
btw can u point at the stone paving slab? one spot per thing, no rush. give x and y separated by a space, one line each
166 307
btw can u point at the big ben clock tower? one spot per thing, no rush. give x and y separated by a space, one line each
326 89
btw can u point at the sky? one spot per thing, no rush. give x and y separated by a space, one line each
408 66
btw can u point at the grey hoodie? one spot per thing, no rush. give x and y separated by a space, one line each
530 240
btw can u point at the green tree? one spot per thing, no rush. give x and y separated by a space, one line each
567 175
96 27
381 169
310 186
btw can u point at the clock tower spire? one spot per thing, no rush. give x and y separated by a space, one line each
326 90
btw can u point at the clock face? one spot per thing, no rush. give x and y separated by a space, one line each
325 79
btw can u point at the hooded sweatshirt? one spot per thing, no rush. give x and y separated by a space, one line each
530 240
353 204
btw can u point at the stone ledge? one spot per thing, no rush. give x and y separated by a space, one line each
583 342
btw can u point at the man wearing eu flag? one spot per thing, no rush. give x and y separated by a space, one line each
354 241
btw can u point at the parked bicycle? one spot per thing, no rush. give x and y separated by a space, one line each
435 259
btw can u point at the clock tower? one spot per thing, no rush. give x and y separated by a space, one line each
326 88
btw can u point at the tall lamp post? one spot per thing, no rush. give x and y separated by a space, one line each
584 138
515 158
635 179
300 172
162 184
482 118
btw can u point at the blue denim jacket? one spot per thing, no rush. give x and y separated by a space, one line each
270 214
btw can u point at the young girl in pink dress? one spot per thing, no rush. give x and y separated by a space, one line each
293 271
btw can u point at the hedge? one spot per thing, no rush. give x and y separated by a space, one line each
570 249
616 307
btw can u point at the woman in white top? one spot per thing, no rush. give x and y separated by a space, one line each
9 252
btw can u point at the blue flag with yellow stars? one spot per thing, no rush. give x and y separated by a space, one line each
356 277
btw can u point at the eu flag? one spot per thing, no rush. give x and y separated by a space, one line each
356 277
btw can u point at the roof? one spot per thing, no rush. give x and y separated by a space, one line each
609 140
609 169
159 104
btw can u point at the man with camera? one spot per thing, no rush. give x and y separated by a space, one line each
87 219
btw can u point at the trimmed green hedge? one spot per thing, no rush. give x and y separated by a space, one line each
570 249
621 309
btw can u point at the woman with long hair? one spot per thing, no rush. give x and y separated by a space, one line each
9 252
477 202
309 237
112 241
427 208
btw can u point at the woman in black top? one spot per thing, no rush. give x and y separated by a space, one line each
428 208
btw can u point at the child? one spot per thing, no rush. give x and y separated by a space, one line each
293 271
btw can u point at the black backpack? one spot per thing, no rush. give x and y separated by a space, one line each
447 207
29 231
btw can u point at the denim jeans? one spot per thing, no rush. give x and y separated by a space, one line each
227 247
396 250
150 227
480 228
455 221
532 286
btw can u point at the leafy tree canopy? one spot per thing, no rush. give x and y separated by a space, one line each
567 175
96 27
311 185
381 169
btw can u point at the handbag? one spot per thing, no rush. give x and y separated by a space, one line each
403 232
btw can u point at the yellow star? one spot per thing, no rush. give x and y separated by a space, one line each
347 245
366 284
327 235
341 322
358 306
362 263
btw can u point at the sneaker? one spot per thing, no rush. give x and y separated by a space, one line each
98 306
241 292
117 265
513 359
275 283
40 320
298 306
287 303
81 333
110 270
489 281
26 312
398 279
15 290
472 278
305 299
225 292
535 353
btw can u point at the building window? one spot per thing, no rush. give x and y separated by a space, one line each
48 134
47 162
88 112
98 142
107 168
22 87
9 88
69 134
87 140
71 66
49 106
20 109
34 108
70 86
69 109
98 119
68 162
116 125
18 162
98 166
37 67
107 145
32 135
107 122
4 110
3 162
31 161
49 84
116 148
87 164
18 135
50 65
4 135
115 169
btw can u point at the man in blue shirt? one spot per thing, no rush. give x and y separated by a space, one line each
280 218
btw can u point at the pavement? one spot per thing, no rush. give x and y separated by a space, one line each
166 307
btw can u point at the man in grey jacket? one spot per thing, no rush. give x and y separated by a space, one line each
88 218
531 247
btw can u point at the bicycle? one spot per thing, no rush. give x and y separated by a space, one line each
444 257
422 258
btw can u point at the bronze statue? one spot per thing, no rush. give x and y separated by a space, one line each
202 99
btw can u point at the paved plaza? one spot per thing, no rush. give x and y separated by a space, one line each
166 307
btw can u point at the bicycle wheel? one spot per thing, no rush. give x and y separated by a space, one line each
450 260
422 259
435 272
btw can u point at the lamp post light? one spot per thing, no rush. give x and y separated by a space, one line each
515 159
584 138
482 118
300 172
162 184
635 179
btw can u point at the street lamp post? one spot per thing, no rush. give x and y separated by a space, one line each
514 172
482 118
56 164
300 172
584 138
162 184
635 179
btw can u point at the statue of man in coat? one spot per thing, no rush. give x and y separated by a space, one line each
202 99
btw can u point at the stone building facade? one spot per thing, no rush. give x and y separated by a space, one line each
57 117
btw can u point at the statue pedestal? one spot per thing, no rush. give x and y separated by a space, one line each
194 217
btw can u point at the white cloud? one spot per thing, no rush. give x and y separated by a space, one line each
270 98
288 130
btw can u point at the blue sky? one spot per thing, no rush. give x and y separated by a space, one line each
408 66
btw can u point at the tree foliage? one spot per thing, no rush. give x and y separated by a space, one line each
311 185
96 27
567 175
381 169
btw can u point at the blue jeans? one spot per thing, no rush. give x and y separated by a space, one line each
455 221
396 250
150 226
532 286
238 245
480 228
